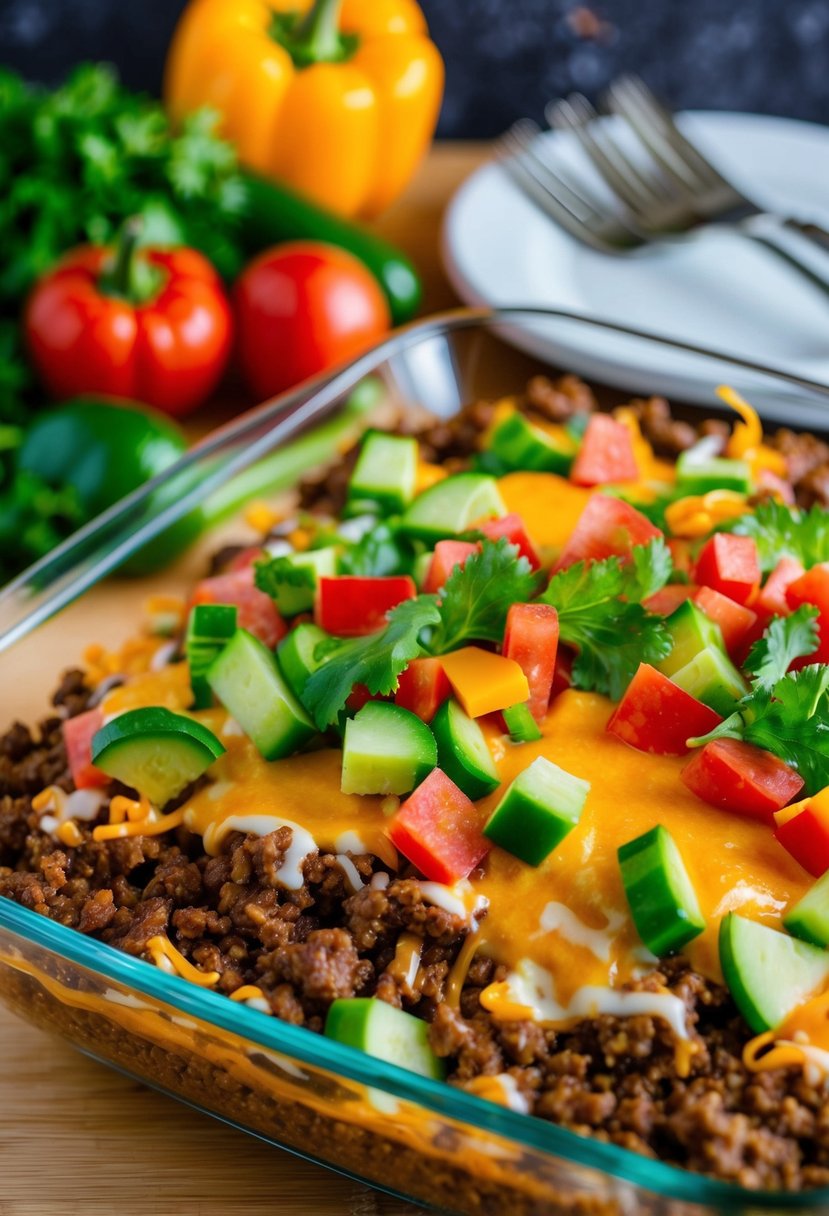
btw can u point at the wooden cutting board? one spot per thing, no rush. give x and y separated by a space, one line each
76 1138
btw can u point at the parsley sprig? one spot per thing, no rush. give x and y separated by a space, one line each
790 718
601 614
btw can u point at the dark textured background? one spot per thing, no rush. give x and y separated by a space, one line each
505 57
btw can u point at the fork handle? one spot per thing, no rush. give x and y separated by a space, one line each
803 245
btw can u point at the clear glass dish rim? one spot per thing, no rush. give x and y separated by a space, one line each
668 1181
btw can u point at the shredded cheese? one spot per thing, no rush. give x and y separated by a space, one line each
261 517
153 825
699 514
165 956
746 440
248 992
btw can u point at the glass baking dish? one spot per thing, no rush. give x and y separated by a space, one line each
413 1137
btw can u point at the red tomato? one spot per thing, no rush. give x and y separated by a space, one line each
606 527
512 527
729 564
656 715
531 639
256 611
448 554
739 777
439 830
667 599
772 598
77 738
168 350
303 307
736 622
606 453
351 606
423 687
813 588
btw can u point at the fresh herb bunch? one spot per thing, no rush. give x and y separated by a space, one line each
782 531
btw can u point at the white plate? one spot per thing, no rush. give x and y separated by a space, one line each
714 288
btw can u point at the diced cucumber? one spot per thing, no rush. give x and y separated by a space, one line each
662 901
520 445
694 476
386 750
209 627
247 680
538 810
155 751
451 506
384 1032
422 564
809 918
712 678
385 472
310 565
296 655
520 723
462 751
767 972
691 632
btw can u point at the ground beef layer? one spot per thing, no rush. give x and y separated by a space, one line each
613 1079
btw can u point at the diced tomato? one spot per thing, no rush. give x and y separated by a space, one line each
656 715
531 639
351 606
255 610
512 527
666 601
606 453
772 597
423 687
448 554
729 564
77 738
736 621
563 675
813 588
606 527
360 695
439 830
782 489
805 834
246 557
739 777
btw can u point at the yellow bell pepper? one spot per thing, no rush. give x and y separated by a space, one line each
484 682
337 98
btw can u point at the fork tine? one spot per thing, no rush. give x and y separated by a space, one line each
654 124
624 178
524 135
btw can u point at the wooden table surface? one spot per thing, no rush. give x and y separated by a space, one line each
76 1138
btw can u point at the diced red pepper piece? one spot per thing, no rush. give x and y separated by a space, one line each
813 588
729 564
736 621
531 639
740 777
351 606
439 830
806 834
360 695
423 687
448 554
606 453
255 611
512 527
606 527
656 715
668 599
77 738
772 597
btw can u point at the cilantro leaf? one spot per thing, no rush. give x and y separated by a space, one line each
786 638
381 551
781 531
376 660
790 719
478 595
613 635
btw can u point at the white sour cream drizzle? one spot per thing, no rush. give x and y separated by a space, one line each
460 900
557 918
61 807
302 842
532 987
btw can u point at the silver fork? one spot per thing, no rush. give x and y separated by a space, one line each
676 189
